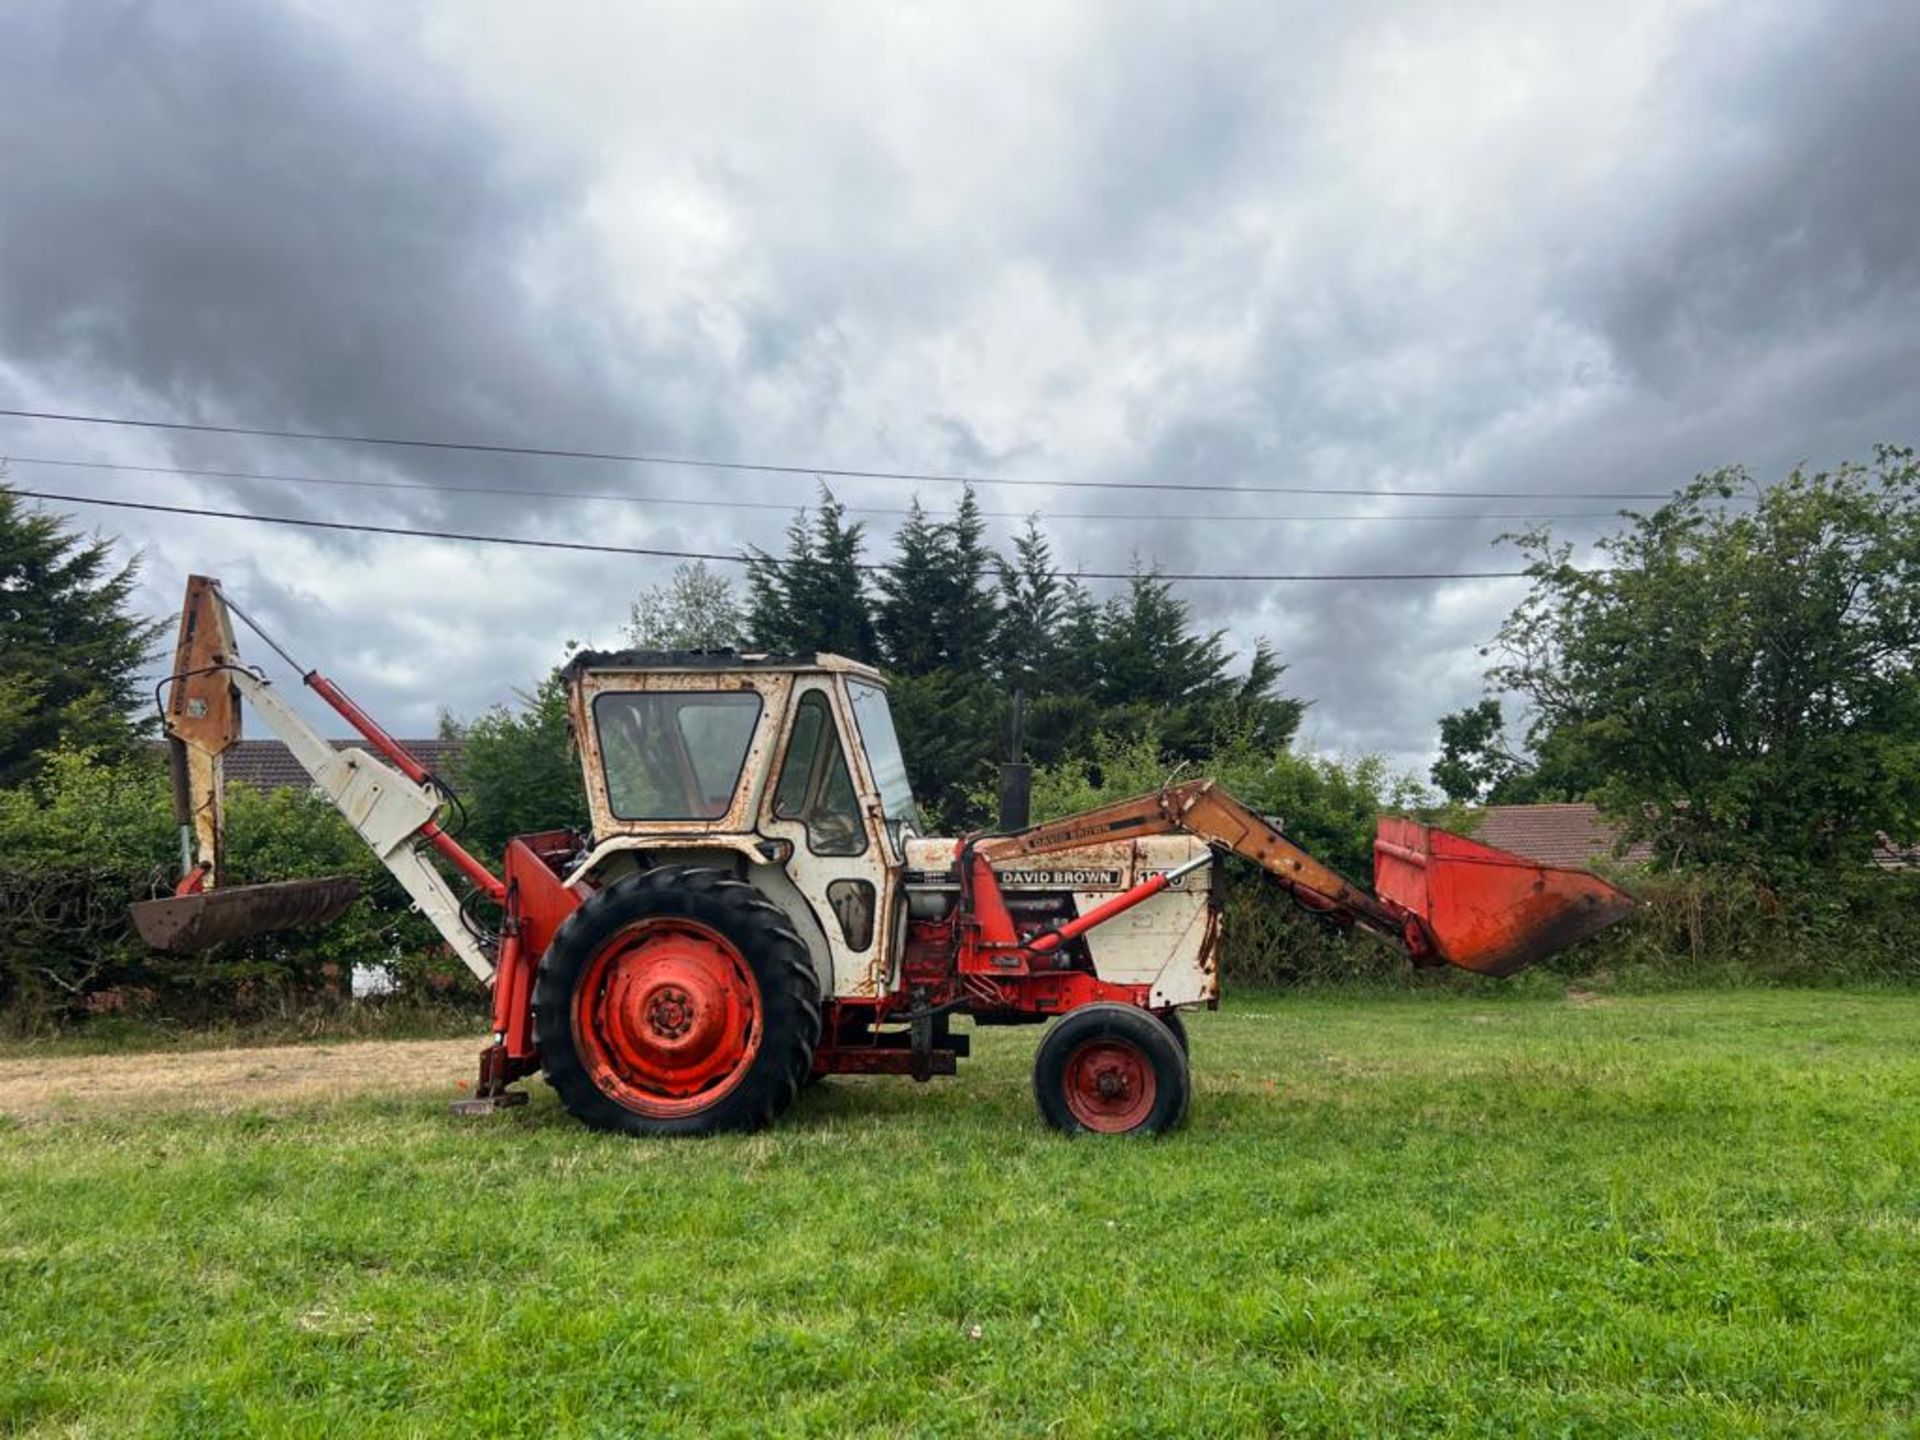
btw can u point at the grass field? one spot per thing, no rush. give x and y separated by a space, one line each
1673 1215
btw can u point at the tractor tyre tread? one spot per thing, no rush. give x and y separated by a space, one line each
766 940
1171 1019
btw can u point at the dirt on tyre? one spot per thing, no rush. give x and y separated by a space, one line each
676 1002
1111 1069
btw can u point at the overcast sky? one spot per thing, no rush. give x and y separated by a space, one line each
1549 248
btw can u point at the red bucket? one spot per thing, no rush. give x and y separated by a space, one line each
1488 910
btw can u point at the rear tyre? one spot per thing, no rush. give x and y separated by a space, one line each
677 1002
1110 1069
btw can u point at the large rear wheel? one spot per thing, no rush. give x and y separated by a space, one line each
1111 1070
677 1002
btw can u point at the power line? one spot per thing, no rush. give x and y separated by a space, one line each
524 493
822 471
734 559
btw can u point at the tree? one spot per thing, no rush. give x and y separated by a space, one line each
696 610
1154 667
938 609
1479 765
71 649
906 620
1475 759
1033 603
970 609
813 598
517 771
1745 681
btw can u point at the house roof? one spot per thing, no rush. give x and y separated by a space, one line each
269 765
1568 834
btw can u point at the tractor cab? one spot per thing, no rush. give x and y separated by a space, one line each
788 766
704 743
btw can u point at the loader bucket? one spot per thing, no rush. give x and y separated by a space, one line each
182 924
1485 909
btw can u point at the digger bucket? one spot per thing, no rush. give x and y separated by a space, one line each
1486 909
182 924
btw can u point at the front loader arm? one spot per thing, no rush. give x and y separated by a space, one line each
1202 809
1443 898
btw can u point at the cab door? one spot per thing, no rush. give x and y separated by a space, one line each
818 804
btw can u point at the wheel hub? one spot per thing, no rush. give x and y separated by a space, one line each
1110 1085
670 1012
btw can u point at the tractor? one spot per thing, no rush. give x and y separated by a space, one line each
756 904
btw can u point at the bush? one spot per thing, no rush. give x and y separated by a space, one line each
1727 929
90 837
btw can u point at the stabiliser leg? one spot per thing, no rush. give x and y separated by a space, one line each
497 1071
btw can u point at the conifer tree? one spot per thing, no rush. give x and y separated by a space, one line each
1032 606
907 618
814 597
71 650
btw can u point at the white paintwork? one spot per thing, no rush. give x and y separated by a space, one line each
1159 942
383 806
850 972
801 890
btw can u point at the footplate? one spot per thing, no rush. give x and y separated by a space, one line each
497 1071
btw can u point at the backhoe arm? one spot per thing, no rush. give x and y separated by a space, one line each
388 798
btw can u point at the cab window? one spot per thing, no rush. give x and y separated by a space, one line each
816 787
674 755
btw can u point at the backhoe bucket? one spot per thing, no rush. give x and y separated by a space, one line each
1486 909
182 924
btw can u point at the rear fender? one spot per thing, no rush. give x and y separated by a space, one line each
620 854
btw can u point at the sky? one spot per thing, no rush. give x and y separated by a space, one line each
1565 250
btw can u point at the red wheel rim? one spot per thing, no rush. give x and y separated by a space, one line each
667 1017
1110 1085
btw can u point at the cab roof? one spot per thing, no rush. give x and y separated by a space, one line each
716 661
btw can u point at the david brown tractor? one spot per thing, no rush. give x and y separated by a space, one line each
755 904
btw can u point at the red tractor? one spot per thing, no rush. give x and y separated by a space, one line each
755 903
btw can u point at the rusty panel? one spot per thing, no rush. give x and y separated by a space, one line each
203 708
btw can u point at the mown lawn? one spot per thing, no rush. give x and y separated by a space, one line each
1694 1214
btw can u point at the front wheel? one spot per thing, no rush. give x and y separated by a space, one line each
1111 1070
677 1002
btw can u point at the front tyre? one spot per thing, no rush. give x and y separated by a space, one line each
676 1002
1111 1069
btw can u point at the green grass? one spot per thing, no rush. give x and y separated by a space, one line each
1692 1214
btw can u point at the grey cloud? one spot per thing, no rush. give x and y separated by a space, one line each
248 211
